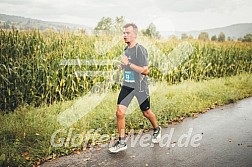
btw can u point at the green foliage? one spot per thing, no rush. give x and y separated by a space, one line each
190 37
214 38
118 24
247 38
229 38
221 37
26 133
184 36
32 71
151 31
107 24
203 36
104 24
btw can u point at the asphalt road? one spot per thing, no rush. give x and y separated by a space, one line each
221 137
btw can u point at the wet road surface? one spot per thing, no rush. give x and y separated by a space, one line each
220 137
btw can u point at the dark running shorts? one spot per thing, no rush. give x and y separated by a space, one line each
126 95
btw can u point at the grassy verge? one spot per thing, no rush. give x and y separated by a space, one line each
25 134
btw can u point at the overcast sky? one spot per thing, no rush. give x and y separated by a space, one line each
167 15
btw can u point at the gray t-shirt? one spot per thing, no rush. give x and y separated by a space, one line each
137 55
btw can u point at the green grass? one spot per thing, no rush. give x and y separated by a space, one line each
25 134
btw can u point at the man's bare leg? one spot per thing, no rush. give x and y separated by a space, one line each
157 129
120 116
151 116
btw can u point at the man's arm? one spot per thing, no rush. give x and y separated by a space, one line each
143 70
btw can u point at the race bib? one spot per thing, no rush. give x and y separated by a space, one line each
129 76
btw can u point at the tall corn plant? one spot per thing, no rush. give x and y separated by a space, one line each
31 70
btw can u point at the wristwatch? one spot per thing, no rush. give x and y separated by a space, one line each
128 64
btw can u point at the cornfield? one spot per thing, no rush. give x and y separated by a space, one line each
31 69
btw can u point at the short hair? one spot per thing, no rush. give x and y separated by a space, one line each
135 28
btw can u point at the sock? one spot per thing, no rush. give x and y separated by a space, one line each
122 140
157 129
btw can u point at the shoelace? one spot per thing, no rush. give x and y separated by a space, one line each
117 144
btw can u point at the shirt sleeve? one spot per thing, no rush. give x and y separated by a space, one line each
142 56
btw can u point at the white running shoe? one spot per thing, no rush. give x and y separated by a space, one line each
156 135
118 147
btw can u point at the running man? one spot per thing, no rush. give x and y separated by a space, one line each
135 67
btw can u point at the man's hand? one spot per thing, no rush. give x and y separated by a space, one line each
120 67
142 70
125 60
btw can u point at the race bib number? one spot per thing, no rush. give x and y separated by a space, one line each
129 76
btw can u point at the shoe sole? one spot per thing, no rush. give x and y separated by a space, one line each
121 149
156 140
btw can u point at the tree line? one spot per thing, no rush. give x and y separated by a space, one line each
111 26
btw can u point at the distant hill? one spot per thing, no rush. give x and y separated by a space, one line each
234 31
6 21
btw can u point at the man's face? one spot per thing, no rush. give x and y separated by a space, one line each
128 34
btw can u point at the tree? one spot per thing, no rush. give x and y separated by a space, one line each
184 36
151 31
240 39
203 36
247 38
229 38
109 25
7 25
118 24
104 24
221 37
214 38
190 37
